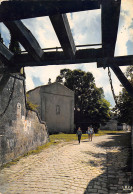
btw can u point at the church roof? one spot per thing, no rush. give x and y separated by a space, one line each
56 88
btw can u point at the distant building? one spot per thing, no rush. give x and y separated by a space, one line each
55 106
123 126
113 125
110 125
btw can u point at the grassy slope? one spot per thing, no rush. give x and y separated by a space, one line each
71 137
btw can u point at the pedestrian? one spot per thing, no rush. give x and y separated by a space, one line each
90 132
79 134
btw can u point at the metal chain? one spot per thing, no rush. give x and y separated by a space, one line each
110 80
10 98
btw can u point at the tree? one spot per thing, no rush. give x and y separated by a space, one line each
125 102
90 105
129 73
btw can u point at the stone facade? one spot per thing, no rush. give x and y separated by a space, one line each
20 129
55 106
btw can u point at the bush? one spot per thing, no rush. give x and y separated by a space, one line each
31 106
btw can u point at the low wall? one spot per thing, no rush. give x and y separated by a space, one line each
20 129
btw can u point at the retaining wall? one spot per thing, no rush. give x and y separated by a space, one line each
20 129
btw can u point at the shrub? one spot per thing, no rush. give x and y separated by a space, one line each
31 106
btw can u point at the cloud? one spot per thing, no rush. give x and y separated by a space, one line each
5 34
44 73
84 25
36 81
29 82
130 47
42 29
125 32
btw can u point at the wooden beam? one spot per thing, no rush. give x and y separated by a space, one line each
114 63
118 61
16 10
57 58
120 75
5 54
63 32
25 37
10 69
110 20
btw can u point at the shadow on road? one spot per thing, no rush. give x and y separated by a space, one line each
116 165
117 139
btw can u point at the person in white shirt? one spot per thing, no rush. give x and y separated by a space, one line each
90 132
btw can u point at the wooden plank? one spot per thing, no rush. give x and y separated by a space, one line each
5 54
16 10
58 58
63 32
110 19
82 56
10 68
25 37
120 75
119 61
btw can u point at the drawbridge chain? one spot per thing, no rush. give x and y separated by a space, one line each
111 84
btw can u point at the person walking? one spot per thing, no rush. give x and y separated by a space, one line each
90 132
79 134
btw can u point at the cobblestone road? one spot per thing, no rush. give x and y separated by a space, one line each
89 167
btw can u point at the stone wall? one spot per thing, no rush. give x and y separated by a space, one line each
20 129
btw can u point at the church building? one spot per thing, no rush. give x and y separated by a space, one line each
55 106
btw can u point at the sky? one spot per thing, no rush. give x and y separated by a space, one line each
86 29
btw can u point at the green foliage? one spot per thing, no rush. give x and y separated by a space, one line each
129 73
125 102
125 105
70 137
30 105
90 105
